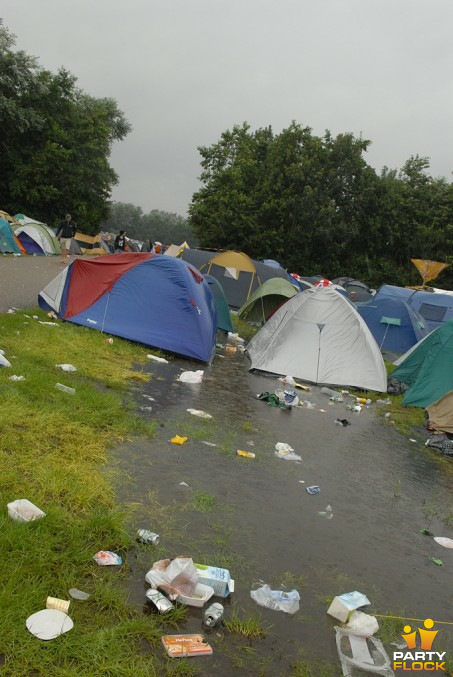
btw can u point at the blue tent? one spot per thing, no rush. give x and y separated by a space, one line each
159 301
435 308
395 326
7 242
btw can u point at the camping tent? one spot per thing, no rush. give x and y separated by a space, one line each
440 414
428 367
155 300
8 244
395 325
318 336
358 291
37 238
238 274
434 308
223 312
266 299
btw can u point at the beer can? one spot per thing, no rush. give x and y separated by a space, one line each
213 615
159 600
145 536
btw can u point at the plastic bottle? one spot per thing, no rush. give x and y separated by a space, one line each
245 454
65 389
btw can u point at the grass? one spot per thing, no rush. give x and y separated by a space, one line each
315 668
53 449
203 502
249 626
244 329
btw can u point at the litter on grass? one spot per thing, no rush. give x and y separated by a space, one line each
59 604
49 324
23 510
288 456
342 605
361 655
208 444
49 623
16 378
191 376
184 646
79 594
162 360
107 558
199 413
3 361
65 389
327 513
66 367
245 454
178 440
277 600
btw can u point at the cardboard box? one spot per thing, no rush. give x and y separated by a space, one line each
343 605
217 578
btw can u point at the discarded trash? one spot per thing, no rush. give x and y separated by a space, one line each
199 413
49 623
65 389
51 314
191 376
3 361
300 386
388 415
148 397
178 578
178 440
327 513
354 652
444 542
213 615
79 594
436 561
198 597
411 439
16 378
288 455
342 605
146 408
441 443
314 489
184 646
272 400
145 536
217 578
245 454
59 604
109 340
342 421
22 510
301 481
162 360
66 367
208 444
337 399
49 324
10 311
362 623
107 558
184 484
309 405
235 337
230 349
276 599
282 446
363 400
387 401
288 397
287 380
159 600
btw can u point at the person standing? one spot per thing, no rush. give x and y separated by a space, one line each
65 233
120 242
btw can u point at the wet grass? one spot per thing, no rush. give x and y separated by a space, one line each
244 329
53 449
315 668
248 626
203 502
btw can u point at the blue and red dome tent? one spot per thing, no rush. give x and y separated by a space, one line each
155 300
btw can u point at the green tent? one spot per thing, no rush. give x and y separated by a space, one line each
266 299
223 312
428 367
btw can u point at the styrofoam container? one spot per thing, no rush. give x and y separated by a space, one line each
200 595
23 510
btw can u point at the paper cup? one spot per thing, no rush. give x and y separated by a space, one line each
58 604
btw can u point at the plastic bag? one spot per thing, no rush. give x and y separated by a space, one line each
199 413
191 376
66 367
175 577
157 359
107 558
362 623
276 599
282 446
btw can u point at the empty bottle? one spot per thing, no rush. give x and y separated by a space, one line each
65 389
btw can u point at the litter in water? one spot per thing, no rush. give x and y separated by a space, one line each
342 421
208 444
327 512
436 561
199 413
191 376
245 454
342 605
288 456
184 646
282 446
162 360
314 489
354 653
178 440
277 600
161 603
444 542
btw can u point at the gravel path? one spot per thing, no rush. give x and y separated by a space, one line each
23 277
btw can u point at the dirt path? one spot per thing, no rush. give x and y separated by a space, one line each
23 277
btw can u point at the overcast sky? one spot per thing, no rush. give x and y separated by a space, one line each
184 71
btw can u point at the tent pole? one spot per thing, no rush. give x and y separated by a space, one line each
385 334
105 312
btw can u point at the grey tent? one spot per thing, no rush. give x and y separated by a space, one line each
318 336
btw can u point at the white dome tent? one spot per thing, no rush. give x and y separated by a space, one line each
318 336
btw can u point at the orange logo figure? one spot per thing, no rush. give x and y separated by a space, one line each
409 638
426 636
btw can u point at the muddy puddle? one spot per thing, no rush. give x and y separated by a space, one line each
256 518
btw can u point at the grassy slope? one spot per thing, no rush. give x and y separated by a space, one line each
53 446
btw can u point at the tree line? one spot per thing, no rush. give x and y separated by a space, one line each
315 204
156 225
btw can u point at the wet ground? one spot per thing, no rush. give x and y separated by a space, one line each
256 518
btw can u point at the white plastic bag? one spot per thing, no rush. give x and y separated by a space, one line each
282 446
4 362
191 376
157 359
199 413
362 623
276 599
287 380
176 577
66 367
